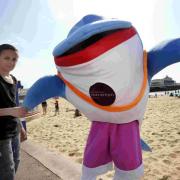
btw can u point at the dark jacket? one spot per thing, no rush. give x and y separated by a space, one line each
9 126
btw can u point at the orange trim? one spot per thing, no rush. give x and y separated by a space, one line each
112 108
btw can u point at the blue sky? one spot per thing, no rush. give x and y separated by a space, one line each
35 27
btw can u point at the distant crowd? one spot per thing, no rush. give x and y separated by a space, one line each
44 105
175 93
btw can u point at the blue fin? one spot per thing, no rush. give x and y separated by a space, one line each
145 146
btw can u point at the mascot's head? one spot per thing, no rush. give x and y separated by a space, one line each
87 27
102 58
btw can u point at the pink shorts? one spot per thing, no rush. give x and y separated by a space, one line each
109 142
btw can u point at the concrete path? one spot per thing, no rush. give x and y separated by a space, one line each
31 169
37 163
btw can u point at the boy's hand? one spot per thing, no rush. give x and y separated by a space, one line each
16 112
23 112
23 134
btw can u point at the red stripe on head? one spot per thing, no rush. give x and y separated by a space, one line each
96 49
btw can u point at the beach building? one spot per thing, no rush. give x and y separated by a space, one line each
167 81
165 84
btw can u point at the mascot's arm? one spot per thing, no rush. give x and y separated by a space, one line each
163 55
44 88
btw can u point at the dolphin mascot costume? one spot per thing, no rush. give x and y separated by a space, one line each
104 71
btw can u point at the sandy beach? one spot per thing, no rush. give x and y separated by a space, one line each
160 129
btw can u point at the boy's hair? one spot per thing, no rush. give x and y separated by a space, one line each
7 47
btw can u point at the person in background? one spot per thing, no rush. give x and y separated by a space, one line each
44 107
77 113
56 107
22 121
10 127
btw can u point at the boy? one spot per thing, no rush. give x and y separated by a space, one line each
10 127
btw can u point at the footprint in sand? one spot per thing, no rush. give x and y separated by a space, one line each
71 153
79 160
173 155
167 161
165 178
177 152
152 159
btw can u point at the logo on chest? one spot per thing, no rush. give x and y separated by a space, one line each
102 94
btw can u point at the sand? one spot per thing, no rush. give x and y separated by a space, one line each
160 129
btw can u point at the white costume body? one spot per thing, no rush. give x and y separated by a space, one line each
118 69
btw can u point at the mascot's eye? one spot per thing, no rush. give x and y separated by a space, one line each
102 94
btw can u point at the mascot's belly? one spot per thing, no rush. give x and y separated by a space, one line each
117 69
96 114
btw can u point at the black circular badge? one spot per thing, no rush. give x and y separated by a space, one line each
102 94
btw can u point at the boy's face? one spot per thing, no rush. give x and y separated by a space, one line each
8 60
